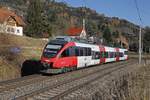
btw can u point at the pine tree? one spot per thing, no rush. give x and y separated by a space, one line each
34 19
107 35
147 37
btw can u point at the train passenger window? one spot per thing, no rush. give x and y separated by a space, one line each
95 55
114 54
106 55
102 54
77 51
81 52
72 51
120 54
65 53
126 52
111 55
92 53
117 54
89 51
68 52
84 51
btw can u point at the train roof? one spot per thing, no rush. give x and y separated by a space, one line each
58 42
62 40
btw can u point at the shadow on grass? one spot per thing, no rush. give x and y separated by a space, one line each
30 67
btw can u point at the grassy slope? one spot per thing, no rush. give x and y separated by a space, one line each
10 63
139 86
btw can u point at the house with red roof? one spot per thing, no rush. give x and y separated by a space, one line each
10 22
77 32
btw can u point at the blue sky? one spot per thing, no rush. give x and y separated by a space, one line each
124 9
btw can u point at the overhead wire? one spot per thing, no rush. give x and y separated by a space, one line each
138 11
140 31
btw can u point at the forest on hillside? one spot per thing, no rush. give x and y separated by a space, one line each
45 18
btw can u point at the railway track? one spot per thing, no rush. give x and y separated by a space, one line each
15 82
59 90
30 87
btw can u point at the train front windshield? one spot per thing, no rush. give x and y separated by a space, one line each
51 50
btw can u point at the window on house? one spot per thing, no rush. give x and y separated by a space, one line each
12 30
18 31
8 29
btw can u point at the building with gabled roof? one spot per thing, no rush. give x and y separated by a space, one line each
77 32
10 22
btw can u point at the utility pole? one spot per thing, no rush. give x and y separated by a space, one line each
140 45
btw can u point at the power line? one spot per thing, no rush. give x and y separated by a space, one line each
140 32
138 11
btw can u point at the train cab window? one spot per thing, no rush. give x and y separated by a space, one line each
51 50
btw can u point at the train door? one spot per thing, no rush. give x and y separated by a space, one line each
102 55
82 60
87 56
84 56
117 54
95 57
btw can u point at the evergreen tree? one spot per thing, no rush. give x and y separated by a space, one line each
115 34
107 35
34 19
147 37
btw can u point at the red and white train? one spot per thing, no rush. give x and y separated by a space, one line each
63 54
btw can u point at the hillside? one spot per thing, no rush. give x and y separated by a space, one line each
61 16
14 51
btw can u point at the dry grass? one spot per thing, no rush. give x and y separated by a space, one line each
131 86
7 71
135 86
139 86
13 40
136 55
11 62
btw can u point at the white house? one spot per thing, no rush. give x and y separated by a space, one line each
10 22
